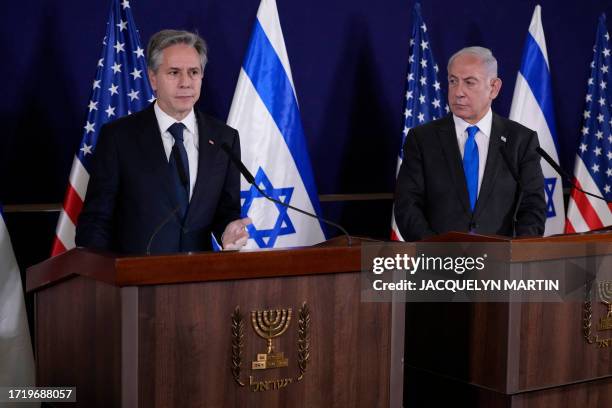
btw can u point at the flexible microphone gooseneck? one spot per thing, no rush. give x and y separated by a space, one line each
566 176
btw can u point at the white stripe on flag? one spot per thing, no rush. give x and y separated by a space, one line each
66 230
394 228
575 217
79 178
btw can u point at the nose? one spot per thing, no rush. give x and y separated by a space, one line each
459 91
184 80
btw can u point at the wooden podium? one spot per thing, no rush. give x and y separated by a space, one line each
510 355
164 331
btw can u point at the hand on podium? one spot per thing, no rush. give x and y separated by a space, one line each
235 235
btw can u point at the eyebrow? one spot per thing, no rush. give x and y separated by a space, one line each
465 79
188 68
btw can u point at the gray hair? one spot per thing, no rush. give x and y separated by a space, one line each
167 38
484 54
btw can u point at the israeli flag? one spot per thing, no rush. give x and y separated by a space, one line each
532 106
266 113
16 357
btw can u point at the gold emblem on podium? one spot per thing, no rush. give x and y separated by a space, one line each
269 325
605 322
605 295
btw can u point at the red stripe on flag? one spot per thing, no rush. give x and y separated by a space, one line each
72 204
569 228
586 209
58 247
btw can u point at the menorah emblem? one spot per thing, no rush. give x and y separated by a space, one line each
605 294
269 324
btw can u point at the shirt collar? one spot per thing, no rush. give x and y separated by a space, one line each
484 125
165 121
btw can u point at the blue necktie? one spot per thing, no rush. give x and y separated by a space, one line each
470 164
179 167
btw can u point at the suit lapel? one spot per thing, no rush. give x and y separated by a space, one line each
206 155
492 164
153 150
450 148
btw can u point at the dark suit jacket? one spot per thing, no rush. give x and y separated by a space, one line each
130 192
431 195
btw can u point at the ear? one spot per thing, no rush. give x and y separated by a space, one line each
152 79
496 85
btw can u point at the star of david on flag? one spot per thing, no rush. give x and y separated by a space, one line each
424 98
593 166
266 113
266 237
550 185
532 106
121 87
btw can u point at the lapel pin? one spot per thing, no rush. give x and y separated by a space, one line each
503 138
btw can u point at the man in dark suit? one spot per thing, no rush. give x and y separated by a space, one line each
454 176
159 181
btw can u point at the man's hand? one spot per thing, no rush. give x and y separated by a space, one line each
235 235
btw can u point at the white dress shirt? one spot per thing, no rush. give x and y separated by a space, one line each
482 139
191 140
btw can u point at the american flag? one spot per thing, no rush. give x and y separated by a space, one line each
593 167
120 88
424 100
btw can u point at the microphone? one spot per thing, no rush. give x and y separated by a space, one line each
516 178
251 180
566 176
160 226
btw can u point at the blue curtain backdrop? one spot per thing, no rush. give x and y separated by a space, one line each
349 61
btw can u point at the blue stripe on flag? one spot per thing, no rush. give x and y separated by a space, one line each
216 247
271 82
536 73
